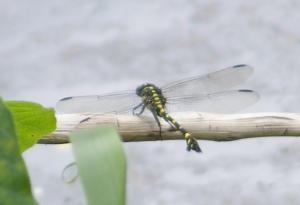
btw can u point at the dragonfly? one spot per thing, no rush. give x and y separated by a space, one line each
212 92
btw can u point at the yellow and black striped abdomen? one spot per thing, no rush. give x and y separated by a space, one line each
192 143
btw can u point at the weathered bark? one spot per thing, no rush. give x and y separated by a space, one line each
205 126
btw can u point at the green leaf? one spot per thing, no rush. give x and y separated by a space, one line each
14 181
32 121
102 165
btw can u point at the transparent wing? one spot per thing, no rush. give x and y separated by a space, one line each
221 102
210 83
198 87
116 102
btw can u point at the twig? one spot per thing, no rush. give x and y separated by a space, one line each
205 126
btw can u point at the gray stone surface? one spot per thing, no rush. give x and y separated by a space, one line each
53 49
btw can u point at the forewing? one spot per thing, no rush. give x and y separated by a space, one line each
117 102
210 83
221 102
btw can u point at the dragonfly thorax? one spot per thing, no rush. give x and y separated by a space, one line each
143 89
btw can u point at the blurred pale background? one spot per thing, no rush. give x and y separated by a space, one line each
58 48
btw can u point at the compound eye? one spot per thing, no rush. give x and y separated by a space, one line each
139 90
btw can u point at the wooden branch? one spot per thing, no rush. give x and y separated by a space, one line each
205 126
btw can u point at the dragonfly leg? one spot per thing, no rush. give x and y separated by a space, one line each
158 123
138 106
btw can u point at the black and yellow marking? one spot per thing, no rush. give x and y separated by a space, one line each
153 99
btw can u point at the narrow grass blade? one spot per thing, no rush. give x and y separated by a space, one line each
102 165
